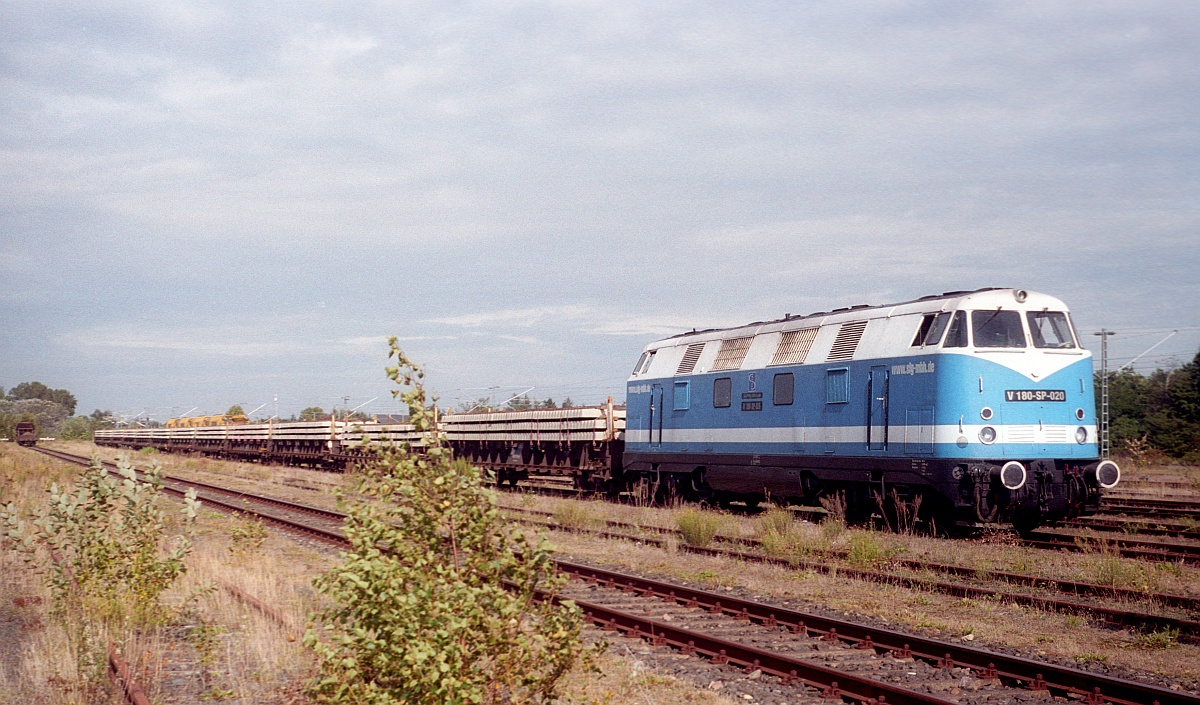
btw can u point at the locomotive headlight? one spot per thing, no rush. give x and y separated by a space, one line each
1081 435
987 435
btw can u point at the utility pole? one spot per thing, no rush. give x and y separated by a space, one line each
1104 448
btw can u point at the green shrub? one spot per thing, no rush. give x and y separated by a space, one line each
697 526
105 556
437 598
102 547
148 450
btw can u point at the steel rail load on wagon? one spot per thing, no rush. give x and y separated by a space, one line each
326 444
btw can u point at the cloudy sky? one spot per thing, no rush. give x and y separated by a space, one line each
210 202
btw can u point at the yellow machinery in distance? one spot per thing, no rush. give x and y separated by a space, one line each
218 420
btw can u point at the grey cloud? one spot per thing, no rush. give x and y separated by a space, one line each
582 177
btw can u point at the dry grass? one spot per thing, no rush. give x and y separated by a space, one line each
575 515
622 678
994 553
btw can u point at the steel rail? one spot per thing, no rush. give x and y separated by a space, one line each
832 683
1035 674
1128 548
119 671
1013 667
1145 528
1149 507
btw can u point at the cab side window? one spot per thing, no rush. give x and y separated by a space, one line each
722 392
956 337
932 327
784 390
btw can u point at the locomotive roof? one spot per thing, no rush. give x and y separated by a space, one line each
844 314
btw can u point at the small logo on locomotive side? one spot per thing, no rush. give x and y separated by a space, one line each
914 368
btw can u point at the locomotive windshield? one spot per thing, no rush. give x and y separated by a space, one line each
1050 329
997 329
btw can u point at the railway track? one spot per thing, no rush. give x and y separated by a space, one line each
1160 508
794 646
1159 551
1143 527
1188 629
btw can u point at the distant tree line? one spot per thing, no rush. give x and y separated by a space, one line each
1157 412
51 410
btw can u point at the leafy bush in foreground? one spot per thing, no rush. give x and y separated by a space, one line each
102 547
436 599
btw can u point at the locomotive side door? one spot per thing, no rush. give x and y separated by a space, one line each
656 415
877 409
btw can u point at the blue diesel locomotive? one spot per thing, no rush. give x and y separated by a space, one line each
975 407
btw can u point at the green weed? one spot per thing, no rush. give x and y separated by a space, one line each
1164 639
247 537
699 527
867 551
